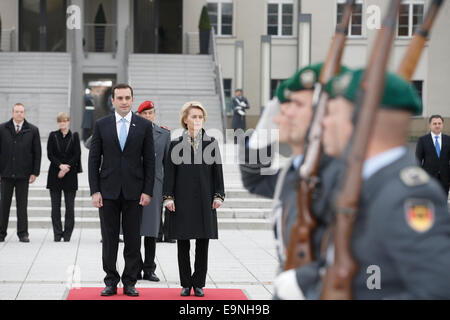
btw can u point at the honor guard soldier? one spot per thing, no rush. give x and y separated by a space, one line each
401 235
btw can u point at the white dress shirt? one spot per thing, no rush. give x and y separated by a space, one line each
433 136
17 124
119 122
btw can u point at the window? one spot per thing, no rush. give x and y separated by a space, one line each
227 93
221 16
274 83
355 26
280 17
418 84
410 17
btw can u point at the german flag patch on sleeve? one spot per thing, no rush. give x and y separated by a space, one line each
419 214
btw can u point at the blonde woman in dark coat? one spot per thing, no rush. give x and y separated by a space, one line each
64 153
193 190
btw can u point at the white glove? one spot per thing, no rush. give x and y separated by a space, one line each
286 286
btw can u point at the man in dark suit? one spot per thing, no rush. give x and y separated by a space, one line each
20 164
121 178
433 152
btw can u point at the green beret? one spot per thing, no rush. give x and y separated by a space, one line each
303 79
399 94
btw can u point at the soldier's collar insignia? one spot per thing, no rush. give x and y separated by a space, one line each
414 176
341 84
308 78
419 214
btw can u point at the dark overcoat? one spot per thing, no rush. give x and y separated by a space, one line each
58 155
193 183
20 154
151 214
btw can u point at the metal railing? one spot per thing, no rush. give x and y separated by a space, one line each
219 79
100 37
8 40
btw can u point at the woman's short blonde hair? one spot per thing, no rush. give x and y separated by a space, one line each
187 107
62 116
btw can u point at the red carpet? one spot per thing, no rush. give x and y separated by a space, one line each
157 294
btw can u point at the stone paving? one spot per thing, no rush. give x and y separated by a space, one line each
45 270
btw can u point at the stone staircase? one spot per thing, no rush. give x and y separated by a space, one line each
170 80
41 81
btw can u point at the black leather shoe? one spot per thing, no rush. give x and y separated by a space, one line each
159 240
130 291
66 239
198 292
2 239
139 276
58 238
185 292
151 277
109 291
24 239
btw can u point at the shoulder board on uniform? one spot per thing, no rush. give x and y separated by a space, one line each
414 176
164 127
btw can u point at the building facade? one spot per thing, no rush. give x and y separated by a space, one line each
259 42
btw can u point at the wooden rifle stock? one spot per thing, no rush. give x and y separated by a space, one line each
300 249
415 49
338 280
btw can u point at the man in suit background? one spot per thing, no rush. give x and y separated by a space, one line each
151 215
433 152
20 164
121 179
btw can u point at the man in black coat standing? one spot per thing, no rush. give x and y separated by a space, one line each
121 178
20 164
433 152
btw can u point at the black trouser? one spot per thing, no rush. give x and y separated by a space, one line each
149 265
197 279
7 189
69 217
443 183
110 215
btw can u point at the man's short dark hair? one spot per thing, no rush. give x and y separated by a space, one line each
121 86
434 116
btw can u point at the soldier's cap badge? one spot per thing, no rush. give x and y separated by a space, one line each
419 214
287 93
308 78
341 84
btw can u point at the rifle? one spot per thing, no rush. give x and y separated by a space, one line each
412 56
338 280
300 250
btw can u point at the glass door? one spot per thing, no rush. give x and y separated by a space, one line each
42 25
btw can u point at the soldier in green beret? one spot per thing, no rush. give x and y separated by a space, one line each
295 96
401 235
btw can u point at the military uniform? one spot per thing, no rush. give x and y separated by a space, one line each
283 185
401 235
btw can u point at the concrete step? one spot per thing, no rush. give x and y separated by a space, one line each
230 191
85 202
91 212
94 223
